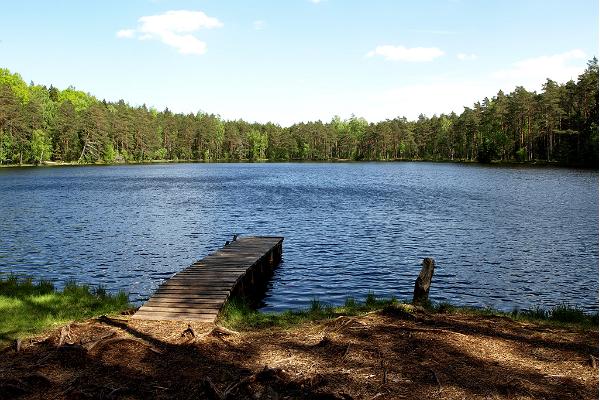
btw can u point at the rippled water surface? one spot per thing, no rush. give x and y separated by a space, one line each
502 237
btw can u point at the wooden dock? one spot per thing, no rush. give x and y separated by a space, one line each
198 293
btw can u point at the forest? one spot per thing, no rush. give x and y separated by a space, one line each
558 125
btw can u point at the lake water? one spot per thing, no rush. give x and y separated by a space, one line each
501 236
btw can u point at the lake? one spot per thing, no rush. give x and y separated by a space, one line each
503 237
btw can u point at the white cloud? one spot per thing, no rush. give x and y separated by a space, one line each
439 95
126 33
178 21
186 44
427 98
467 57
401 53
174 29
259 24
316 1
532 72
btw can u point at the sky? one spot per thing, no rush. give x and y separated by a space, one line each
289 61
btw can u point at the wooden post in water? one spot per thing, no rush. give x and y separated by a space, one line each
423 282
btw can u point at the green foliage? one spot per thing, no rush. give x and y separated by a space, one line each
370 300
6 145
569 314
487 151
41 146
28 307
350 303
125 156
561 314
237 314
16 83
521 154
110 155
160 154
258 142
81 101
560 124
316 306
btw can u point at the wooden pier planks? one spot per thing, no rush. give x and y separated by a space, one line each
199 292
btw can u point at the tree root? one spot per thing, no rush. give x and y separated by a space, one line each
220 331
89 345
189 331
65 333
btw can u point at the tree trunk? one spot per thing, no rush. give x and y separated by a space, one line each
423 282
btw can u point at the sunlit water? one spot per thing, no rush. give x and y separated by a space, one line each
502 237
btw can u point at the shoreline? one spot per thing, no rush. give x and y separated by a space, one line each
531 164
21 297
373 349
394 352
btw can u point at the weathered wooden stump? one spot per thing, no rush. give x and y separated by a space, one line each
423 282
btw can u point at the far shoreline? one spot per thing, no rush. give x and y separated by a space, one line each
528 164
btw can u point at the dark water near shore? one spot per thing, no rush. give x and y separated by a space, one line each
502 237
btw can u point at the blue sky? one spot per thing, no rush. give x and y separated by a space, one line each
296 60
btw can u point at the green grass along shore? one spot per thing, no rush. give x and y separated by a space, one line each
238 315
28 308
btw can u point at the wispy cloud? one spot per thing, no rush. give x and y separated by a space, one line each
439 95
532 72
435 97
401 53
316 1
467 57
126 33
174 29
259 24
433 31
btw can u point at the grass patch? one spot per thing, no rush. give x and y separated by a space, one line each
562 314
28 307
237 314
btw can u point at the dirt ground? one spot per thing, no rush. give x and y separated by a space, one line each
383 355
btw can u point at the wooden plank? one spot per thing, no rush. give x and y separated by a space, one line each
212 283
174 310
210 277
206 278
237 269
200 285
206 296
199 291
215 272
168 317
207 275
195 288
183 292
163 316
180 310
220 267
203 301
213 267
210 274
183 304
184 314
